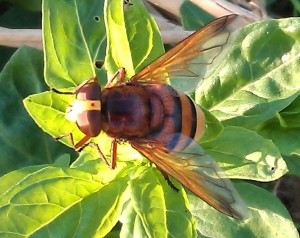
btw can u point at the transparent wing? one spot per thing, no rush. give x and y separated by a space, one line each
194 58
198 172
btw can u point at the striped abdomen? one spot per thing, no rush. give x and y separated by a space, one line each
181 119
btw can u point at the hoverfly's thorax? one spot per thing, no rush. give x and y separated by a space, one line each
125 111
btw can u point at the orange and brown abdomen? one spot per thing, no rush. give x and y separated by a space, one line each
151 111
182 118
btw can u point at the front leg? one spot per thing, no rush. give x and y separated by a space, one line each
166 176
121 73
79 144
82 144
113 153
95 79
101 155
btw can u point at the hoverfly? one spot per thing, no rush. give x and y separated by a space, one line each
158 120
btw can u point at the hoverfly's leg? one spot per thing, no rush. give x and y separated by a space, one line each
96 146
95 79
79 145
166 176
113 153
171 184
70 135
59 92
127 2
121 73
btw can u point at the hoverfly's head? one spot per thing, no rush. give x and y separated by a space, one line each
85 110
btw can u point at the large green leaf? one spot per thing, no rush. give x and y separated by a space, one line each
290 116
193 17
131 37
245 154
269 217
48 110
47 201
255 81
213 127
22 143
293 164
30 5
74 39
284 129
162 211
132 223
286 139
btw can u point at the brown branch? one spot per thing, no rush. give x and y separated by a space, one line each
19 37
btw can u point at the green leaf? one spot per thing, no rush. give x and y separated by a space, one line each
269 217
63 161
283 128
132 223
88 163
255 81
133 39
293 163
30 5
74 39
193 17
287 140
20 18
290 116
160 210
284 131
213 127
48 111
22 143
244 154
59 202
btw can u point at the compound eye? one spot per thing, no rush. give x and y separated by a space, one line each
91 91
89 122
